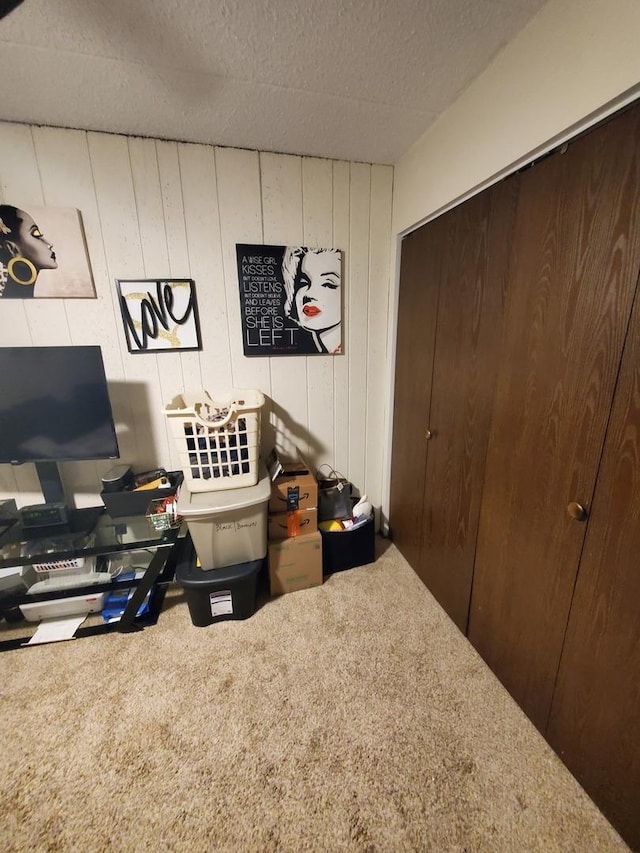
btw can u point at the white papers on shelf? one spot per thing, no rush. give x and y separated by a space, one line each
54 630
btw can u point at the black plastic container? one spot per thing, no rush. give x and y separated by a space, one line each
123 503
217 595
346 549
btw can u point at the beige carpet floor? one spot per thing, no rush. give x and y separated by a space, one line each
351 717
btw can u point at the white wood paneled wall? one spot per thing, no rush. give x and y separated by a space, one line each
161 209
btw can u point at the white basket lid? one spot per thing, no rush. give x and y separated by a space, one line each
193 505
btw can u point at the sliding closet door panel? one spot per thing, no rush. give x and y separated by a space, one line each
421 258
470 312
595 716
573 268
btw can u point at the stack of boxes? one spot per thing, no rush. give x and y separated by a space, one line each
239 513
229 530
295 544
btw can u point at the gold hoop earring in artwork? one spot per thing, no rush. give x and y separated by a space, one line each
33 272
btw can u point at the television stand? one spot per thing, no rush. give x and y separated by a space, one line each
39 521
94 541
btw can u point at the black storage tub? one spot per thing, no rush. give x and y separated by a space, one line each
346 549
217 595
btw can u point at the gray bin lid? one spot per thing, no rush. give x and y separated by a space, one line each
192 505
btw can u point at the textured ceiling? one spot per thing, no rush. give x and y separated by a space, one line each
359 80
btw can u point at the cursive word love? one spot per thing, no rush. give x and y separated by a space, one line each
150 316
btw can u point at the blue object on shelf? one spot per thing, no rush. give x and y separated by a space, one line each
116 601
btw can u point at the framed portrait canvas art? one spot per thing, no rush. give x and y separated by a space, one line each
159 315
290 300
43 254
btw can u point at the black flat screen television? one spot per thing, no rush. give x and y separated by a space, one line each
54 407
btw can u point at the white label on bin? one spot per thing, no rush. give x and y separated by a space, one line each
221 602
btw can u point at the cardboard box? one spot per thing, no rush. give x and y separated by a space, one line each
295 563
294 488
298 522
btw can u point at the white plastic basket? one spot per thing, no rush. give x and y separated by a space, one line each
60 565
65 564
218 439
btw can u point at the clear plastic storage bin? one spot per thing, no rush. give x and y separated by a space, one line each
218 438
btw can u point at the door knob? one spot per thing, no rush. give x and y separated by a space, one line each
577 511
428 434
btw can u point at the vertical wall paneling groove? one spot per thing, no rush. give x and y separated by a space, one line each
19 176
174 366
67 181
341 376
171 191
150 216
282 225
45 318
377 376
14 328
21 185
317 214
153 242
240 222
176 236
154 209
119 221
153 245
65 175
358 298
202 221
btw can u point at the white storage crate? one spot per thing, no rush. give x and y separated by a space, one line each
218 439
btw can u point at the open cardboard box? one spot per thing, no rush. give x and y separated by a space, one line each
293 486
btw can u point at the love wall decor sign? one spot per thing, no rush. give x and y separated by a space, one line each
159 315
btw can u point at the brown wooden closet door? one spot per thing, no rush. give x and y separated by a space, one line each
574 263
595 715
470 309
422 253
